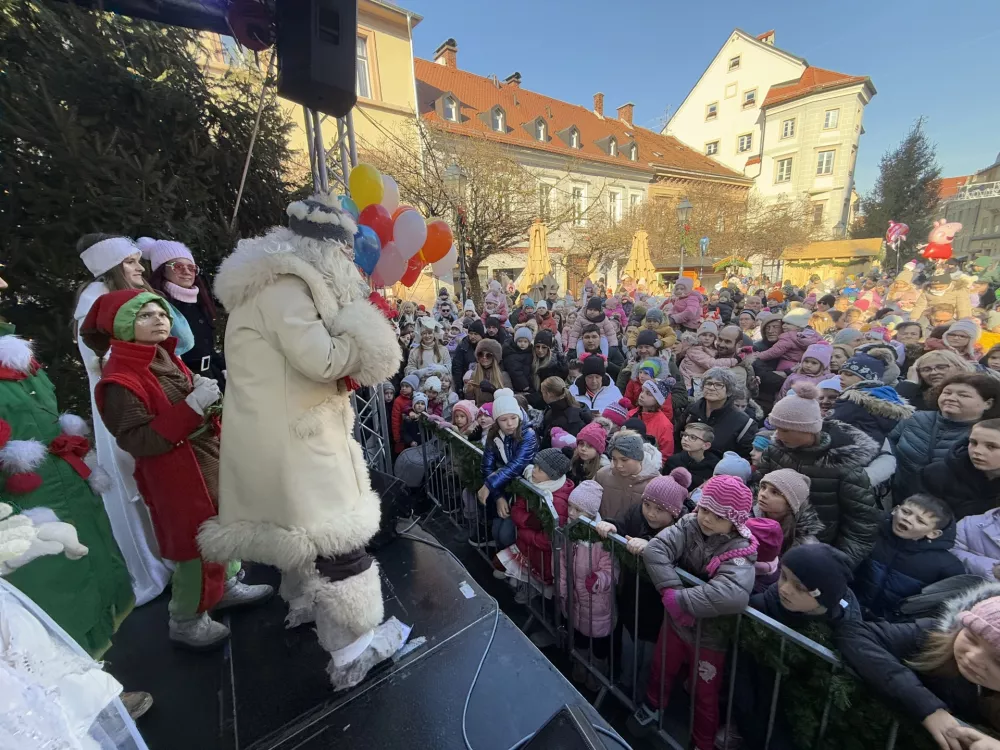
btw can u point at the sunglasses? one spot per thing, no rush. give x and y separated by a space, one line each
485 355
181 267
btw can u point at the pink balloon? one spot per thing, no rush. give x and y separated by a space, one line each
409 232
390 267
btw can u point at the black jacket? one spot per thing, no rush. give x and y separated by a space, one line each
770 380
203 359
768 602
839 490
517 364
701 471
650 604
898 568
914 393
557 367
966 490
462 358
725 310
868 407
572 419
616 360
734 430
410 432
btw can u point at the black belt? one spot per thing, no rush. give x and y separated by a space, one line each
344 566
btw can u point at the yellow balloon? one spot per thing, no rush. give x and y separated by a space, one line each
366 185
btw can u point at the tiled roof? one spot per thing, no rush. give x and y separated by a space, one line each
950 185
765 35
753 160
478 94
812 80
834 249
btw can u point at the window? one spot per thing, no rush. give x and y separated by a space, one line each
824 162
615 206
788 128
749 98
544 196
450 109
364 86
579 206
711 111
541 131
818 213
784 171
744 143
612 147
633 153
712 148
734 63
634 201
497 120
831 119
574 138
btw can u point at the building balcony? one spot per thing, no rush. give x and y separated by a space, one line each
978 191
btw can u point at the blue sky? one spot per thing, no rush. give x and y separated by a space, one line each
925 58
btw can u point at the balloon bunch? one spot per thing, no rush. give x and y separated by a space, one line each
394 242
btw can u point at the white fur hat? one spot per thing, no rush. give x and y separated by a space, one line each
505 403
102 256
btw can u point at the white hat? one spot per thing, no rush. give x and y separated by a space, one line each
505 403
102 256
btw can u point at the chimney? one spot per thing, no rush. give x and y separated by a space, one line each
599 104
447 54
625 113
514 79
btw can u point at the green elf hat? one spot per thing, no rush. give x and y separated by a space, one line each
113 317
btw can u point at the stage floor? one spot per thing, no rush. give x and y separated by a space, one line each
268 689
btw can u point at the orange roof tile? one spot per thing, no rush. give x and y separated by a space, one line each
478 94
765 35
812 80
950 185
753 160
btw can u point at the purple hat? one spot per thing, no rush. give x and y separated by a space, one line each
669 492
587 496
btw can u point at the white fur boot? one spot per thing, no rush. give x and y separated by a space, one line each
349 665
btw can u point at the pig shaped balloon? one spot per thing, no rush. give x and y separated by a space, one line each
939 240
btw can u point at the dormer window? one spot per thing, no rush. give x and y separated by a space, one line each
574 138
498 120
612 147
450 108
541 131
633 153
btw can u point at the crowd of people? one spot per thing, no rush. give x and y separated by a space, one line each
825 453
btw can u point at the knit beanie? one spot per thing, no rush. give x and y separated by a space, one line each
553 462
684 282
877 333
763 442
832 384
523 333
733 465
467 407
669 492
636 425
652 366
823 570
709 326
411 380
593 364
443 293
477 326
799 317
865 367
486 409
654 315
594 436
751 313
798 411
984 621
420 398
594 303
433 383
769 536
618 412
658 389
646 337
820 351
966 326
793 486
562 439
469 306
545 338
102 256
847 337
587 497
527 302
504 403
493 322
158 252
729 498
629 444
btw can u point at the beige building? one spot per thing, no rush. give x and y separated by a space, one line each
792 128
975 204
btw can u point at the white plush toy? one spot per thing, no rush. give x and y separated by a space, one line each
35 533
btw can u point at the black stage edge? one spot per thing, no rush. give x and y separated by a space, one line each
268 689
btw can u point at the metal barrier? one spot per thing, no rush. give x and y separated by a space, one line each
371 427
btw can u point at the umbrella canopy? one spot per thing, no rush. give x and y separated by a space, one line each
538 258
731 262
640 266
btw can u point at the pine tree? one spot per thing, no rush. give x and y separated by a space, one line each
113 125
906 191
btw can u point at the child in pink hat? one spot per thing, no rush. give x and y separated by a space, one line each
814 367
588 455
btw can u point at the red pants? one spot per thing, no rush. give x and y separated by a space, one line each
706 687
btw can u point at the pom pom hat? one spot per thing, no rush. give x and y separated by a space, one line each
798 411
593 435
669 492
727 497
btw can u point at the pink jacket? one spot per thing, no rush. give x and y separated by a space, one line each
698 360
606 326
591 611
687 312
798 377
789 348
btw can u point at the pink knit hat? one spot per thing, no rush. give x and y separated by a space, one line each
486 409
669 492
587 497
799 410
593 434
561 439
792 485
769 538
618 412
727 497
821 351
467 407
159 252
984 621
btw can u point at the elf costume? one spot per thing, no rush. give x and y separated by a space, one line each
45 462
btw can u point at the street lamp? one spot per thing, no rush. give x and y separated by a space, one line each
683 214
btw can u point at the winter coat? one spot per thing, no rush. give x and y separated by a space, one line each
966 490
701 471
88 597
591 610
462 359
419 358
614 358
878 652
898 568
658 427
698 360
727 592
771 380
687 312
557 367
294 482
546 322
789 349
576 330
609 394
769 602
977 543
725 310
924 438
517 364
734 429
914 393
628 383
400 407
202 358
410 432
956 296
632 390
621 493
796 378
873 408
504 460
634 524
807 528
533 543
840 490
570 418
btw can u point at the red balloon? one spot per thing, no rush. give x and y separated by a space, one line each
400 210
413 269
438 243
377 217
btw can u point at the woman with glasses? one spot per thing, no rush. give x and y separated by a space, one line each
487 376
734 429
177 277
928 371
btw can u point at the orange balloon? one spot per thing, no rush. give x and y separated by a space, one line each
400 210
438 243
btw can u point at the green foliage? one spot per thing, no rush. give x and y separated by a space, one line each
112 125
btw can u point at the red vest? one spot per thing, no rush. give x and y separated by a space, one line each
171 483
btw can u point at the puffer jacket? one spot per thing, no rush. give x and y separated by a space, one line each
839 490
789 349
807 529
462 359
603 322
898 568
687 312
591 610
873 408
963 487
915 393
533 543
650 616
734 429
570 418
768 601
609 394
684 546
977 543
922 439
698 360
517 364
621 493
505 460
628 382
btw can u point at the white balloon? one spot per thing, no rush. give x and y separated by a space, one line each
445 266
409 232
390 193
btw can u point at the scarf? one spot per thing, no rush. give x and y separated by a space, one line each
180 293
545 489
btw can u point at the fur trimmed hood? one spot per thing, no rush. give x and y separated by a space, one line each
16 354
878 399
843 446
964 602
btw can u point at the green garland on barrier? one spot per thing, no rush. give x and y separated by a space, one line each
827 263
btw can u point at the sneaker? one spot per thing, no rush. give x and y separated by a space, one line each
239 594
200 633
643 721
499 571
136 703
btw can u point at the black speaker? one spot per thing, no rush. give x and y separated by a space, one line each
569 728
317 53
